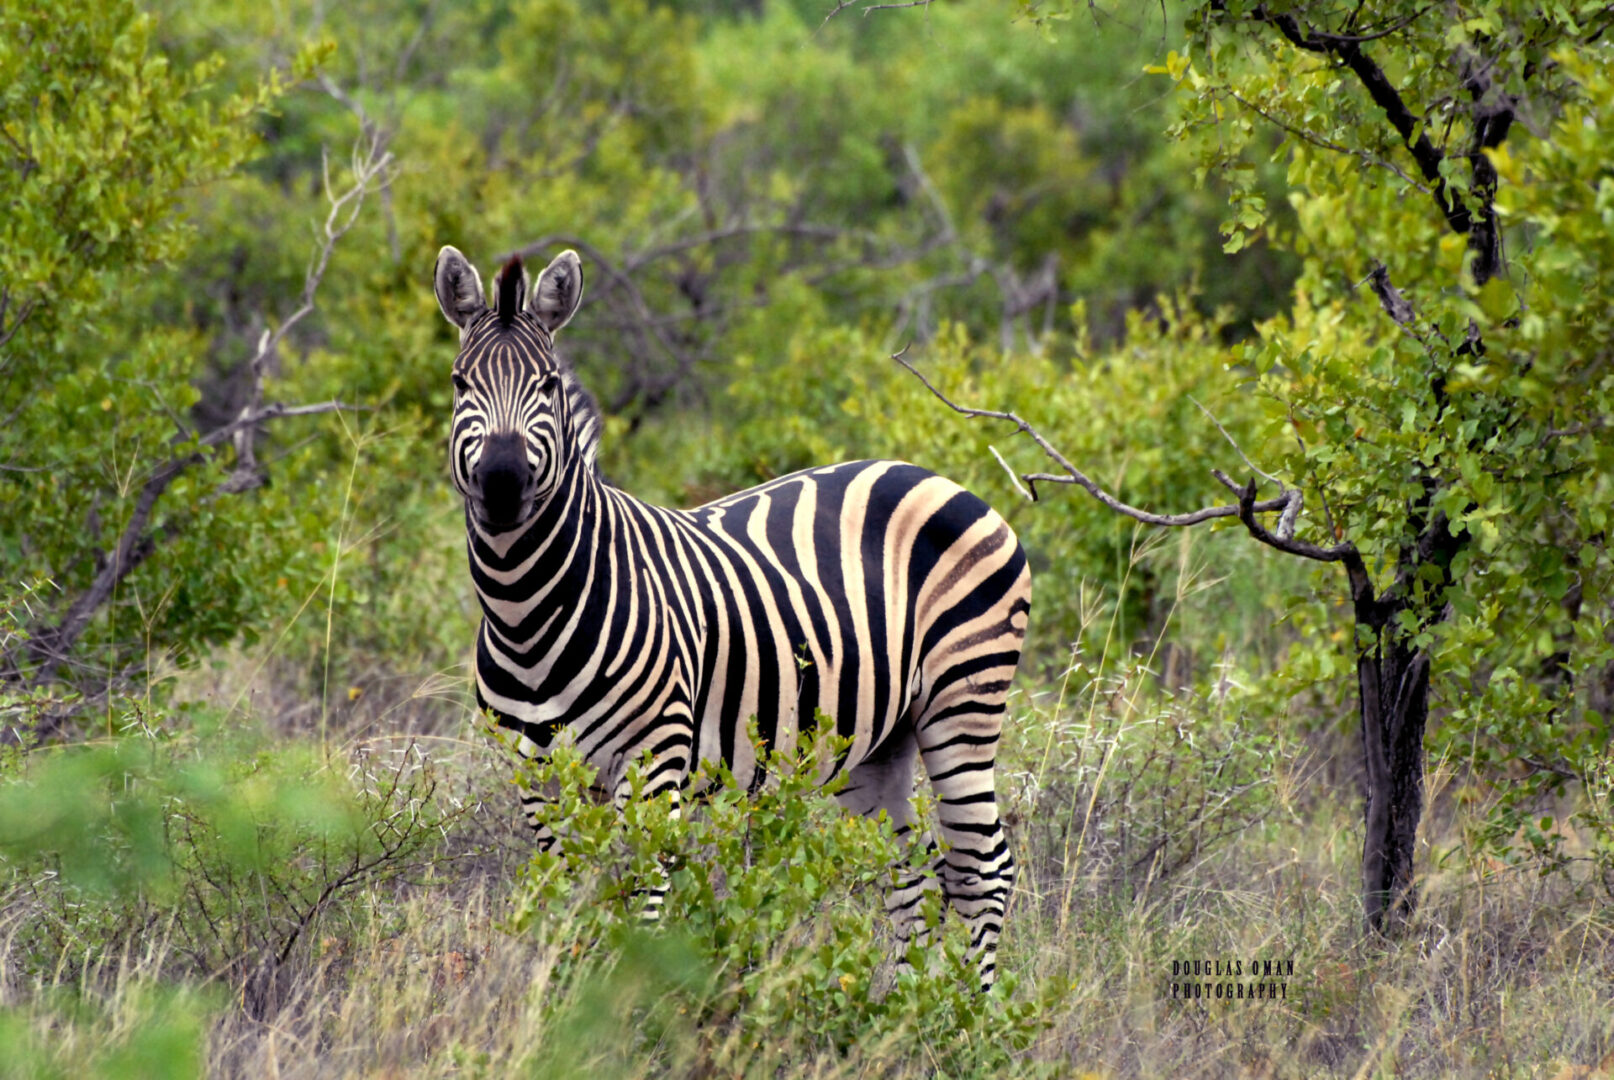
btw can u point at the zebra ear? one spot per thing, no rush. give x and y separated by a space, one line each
558 292
458 287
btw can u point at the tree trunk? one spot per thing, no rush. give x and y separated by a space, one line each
1394 686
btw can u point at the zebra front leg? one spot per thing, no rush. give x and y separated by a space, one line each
905 902
664 774
535 808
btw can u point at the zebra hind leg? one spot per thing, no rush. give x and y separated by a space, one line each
959 745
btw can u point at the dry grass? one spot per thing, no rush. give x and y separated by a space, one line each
1503 974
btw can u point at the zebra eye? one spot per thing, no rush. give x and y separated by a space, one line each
460 385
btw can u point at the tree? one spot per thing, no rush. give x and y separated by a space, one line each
104 459
1436 397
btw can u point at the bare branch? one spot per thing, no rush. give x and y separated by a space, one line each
673 346
681 359
1074 475
135 545
1374 35
1242 456
1288 503
1247 509
842 5
371 166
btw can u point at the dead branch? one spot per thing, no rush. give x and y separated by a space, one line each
1287 503
842 5
672 339
1018 296
1073 475
371 165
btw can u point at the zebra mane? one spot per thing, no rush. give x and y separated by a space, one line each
510 293
586 420
512 280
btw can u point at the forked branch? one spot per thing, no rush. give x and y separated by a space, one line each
1286 504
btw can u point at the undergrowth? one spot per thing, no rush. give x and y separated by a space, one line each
239 883
199 896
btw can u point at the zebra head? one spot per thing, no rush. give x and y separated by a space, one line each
509 444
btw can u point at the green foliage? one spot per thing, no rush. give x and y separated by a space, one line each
155 1032
103 135
1466 402
233 846
768 943
107 137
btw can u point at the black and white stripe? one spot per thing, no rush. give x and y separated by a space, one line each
886 596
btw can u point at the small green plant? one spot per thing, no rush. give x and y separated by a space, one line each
216 848
772 948
149 1032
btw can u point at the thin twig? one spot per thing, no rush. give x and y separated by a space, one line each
1013 477
1237 449
842 5
1327 144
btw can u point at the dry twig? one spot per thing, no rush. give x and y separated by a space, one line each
1287 504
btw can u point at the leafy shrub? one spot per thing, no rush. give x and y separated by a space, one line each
771 948
218 848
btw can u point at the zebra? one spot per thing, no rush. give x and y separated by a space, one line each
882 594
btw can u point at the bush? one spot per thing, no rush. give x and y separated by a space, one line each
217 851
772 950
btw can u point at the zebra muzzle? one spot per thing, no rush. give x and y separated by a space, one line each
505 481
